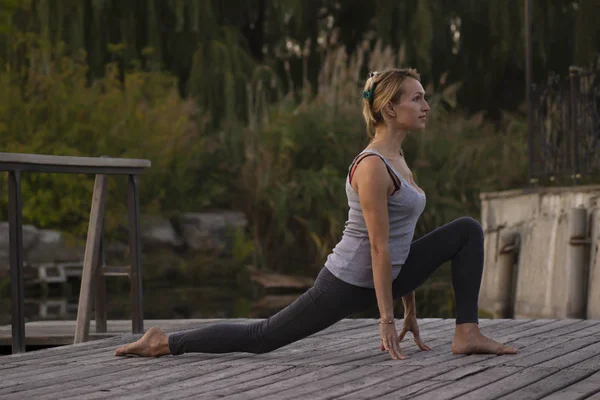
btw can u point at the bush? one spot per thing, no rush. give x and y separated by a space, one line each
285 166
294 158
50 108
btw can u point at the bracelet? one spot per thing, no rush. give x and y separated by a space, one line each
386 321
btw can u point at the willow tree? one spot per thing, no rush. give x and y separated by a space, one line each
214 46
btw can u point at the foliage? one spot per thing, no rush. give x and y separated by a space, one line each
211 46
293 162
49 108
285 168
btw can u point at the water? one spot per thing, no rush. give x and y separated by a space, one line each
182 302
216 298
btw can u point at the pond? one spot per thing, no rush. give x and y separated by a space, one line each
216 298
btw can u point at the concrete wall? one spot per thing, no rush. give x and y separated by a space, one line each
534 267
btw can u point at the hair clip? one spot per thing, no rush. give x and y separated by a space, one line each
367 95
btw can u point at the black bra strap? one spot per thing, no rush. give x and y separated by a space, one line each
394 177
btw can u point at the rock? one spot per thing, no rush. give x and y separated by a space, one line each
39 246
51 246
158 232
30 237
211 230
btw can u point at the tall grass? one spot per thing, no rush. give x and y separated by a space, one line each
296 154
284 165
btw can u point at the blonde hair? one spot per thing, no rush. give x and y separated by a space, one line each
381 88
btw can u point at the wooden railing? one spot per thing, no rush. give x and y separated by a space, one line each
16 164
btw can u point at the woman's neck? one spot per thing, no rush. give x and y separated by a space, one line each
387 141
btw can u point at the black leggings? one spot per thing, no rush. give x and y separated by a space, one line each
331 299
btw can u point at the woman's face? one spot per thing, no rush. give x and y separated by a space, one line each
411 111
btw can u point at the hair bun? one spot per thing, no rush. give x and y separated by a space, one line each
372 74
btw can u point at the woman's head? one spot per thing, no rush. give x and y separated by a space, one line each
396 98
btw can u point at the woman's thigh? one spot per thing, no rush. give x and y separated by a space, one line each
431 251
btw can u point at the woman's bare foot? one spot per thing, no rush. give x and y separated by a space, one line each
469 340
154 343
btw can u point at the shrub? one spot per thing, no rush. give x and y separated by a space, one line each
50 108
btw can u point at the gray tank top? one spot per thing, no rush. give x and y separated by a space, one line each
350 260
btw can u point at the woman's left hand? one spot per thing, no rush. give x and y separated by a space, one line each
410 325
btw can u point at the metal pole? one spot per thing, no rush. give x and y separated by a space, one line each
574 100
532 179
137 320
16 260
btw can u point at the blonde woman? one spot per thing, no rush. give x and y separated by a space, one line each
376 261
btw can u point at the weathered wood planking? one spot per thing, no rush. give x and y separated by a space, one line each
558 359
48 160
56 333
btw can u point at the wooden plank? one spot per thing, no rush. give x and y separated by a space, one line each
55 339
394 385
283 382
551 360
587 331
549 354
540 329
410 390
90 261
592 363
18 385
509 384
108 384
456 387
573 329
595 396
52 358
158 377
62 351
308 389
41 159
245 381
573 358
578 390
329 392
549 384
302 390
310 375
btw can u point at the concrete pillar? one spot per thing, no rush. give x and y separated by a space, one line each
593 306
578 263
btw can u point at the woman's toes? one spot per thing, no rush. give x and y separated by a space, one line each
509 350
131 348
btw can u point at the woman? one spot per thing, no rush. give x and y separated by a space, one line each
375 261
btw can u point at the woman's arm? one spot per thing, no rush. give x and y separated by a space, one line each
373 185
410 308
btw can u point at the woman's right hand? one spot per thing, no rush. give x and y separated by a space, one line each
390 342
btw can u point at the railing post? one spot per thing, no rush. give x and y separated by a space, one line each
137 318
90 260
16 260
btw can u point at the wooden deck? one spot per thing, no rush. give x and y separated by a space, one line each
58 333
558 359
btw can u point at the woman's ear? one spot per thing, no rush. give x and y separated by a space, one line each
389 110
